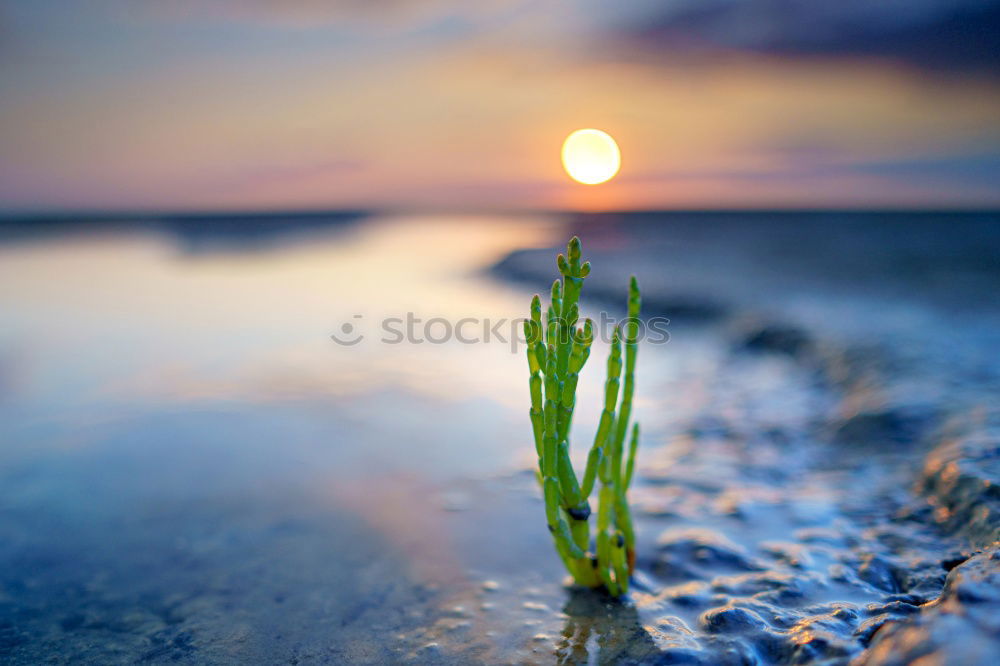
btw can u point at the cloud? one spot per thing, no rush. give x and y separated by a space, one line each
978 170
935 35
320 14
257 176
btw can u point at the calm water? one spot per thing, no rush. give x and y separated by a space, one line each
193 470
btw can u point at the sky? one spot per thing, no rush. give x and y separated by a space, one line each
426 104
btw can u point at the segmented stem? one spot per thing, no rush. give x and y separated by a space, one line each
630 464
631 336
597 451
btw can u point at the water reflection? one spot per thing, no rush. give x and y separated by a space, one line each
599 630
110 322
192 469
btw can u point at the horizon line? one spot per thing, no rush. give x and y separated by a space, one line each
193 214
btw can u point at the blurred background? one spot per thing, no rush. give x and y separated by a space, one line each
198 199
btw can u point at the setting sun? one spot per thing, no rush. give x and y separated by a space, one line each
590 156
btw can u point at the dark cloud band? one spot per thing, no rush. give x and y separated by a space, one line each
929 34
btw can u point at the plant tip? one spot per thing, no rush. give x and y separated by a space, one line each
573 249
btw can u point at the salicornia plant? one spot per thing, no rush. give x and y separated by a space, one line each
557 351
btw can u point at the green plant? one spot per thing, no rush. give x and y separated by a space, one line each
557 353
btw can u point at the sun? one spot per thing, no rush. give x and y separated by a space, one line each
590 156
